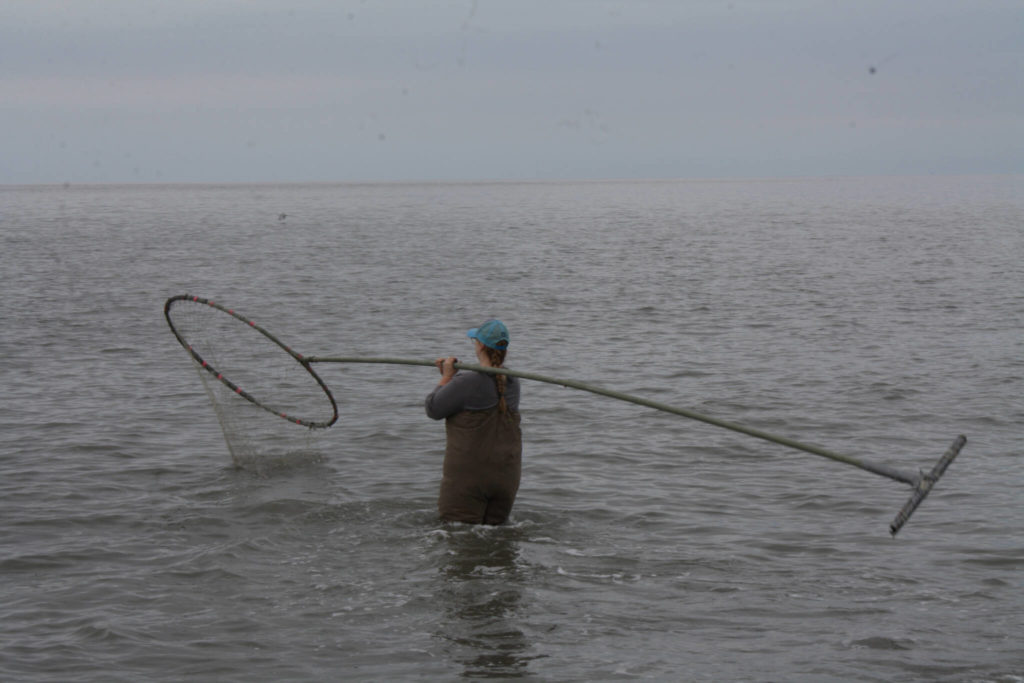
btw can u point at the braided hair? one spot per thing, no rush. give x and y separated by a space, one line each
497 357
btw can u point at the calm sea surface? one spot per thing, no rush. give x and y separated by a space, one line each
875 317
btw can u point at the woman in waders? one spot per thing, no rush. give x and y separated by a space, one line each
483 454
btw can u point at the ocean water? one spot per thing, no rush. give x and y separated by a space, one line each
877 317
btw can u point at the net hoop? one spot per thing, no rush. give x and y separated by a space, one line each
219 376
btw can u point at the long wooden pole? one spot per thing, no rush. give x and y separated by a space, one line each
922 483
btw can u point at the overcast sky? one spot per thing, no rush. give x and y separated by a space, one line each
352 90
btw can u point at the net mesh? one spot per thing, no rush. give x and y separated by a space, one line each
265 399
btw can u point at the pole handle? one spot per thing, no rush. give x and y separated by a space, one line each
925 484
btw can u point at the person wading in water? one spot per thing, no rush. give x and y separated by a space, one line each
483 453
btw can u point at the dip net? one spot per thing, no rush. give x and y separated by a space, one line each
269 402
258 386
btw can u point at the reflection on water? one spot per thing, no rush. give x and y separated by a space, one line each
482 595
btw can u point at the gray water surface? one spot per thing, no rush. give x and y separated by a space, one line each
875 317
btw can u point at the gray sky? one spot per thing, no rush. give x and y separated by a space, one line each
348 90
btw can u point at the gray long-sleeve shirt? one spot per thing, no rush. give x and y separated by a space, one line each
469 390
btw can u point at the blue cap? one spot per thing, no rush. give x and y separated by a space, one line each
492 334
